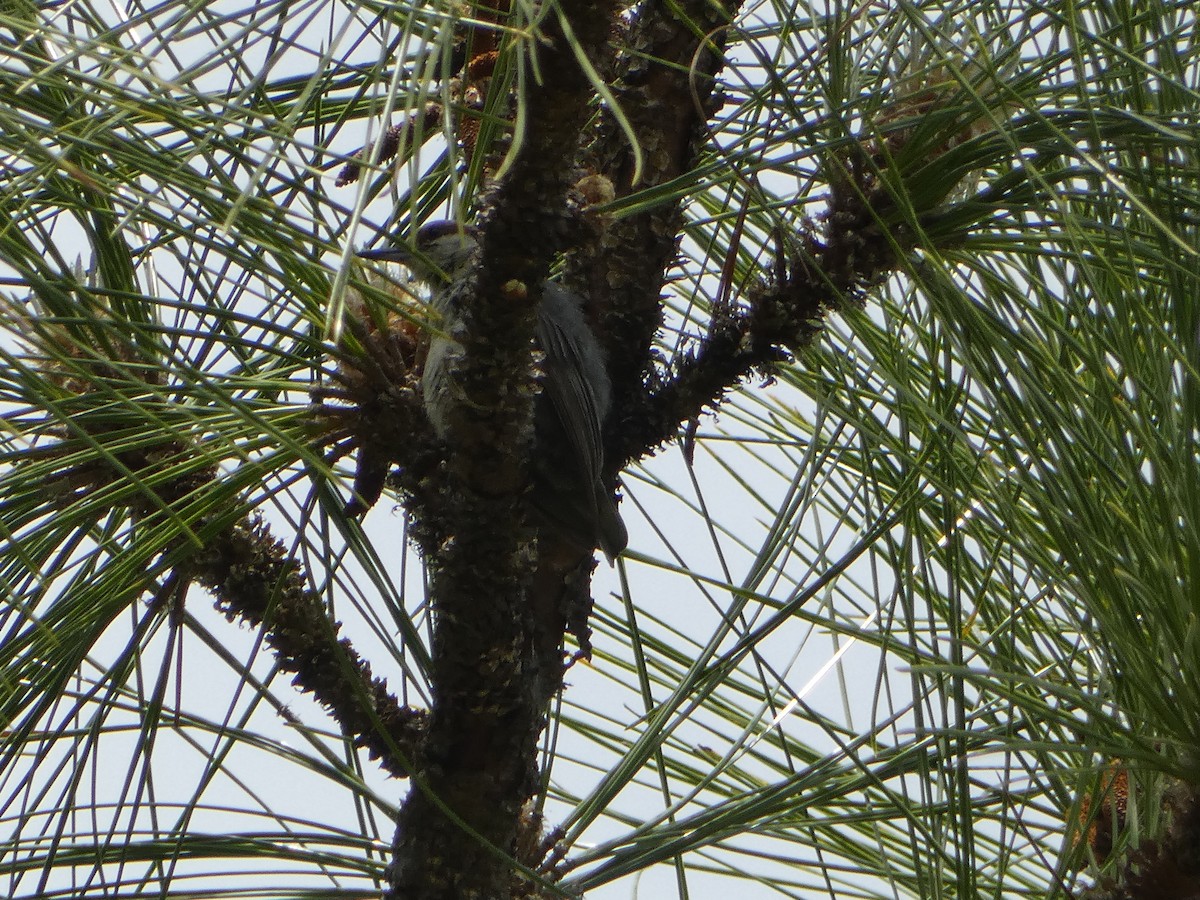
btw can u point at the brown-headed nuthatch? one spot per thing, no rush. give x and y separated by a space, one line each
569 493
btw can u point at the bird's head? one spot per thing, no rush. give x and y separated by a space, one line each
439 252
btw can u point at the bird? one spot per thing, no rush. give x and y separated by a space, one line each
569 494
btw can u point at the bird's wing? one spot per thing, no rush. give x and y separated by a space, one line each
576 387
569 388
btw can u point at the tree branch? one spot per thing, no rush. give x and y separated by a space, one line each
667 73
254 579
495 655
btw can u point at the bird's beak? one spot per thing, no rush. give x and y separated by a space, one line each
387 254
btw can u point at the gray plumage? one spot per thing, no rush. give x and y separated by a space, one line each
569 493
